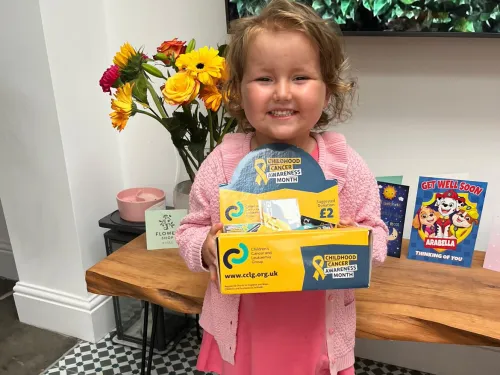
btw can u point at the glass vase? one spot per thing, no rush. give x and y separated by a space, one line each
181 195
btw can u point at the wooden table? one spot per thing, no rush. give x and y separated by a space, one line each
408 300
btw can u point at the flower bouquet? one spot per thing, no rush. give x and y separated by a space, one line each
184 75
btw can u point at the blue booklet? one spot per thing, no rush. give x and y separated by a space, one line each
393 201
446 220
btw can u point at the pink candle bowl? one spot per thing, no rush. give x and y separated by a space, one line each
133 202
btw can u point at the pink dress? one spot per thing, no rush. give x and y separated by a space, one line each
278 333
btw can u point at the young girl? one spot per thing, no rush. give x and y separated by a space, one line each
285 69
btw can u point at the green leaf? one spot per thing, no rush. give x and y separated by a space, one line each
153 70
222 50
408 2
464 25
203 120
469 27
239 8
197 150
185 119
160 56
117 83
177 132
495 15
139 91
349 8
318 5
191 45
380 6
397 12
133 68
368 4
484 16
328 16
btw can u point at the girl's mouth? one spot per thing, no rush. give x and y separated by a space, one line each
281 113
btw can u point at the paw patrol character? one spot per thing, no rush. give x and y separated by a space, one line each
461 202
463 220
425 218
447 205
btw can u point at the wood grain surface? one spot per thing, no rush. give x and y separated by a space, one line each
412 300
158 276
407 300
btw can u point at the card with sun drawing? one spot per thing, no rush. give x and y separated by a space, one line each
446 220
393 200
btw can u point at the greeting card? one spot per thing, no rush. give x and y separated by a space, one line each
161 225
446 219
393 200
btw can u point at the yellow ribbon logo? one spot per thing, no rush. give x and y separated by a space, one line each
317 263
260 168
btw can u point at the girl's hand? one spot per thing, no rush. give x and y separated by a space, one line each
348 222
209 251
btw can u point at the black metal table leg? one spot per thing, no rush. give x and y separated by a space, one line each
198 327
145 337
160 343
156 308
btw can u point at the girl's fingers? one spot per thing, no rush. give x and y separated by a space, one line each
215 229
213 273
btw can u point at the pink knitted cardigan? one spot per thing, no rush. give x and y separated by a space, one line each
359 200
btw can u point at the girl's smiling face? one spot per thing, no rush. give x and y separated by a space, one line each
282 90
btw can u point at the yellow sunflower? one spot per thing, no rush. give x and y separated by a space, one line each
224 71
205 64
122 107
126 52
211 97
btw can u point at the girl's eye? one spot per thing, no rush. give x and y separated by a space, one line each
302 78
264 79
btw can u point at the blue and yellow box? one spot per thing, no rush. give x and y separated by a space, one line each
281 233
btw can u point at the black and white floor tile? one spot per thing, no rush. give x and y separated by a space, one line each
107 358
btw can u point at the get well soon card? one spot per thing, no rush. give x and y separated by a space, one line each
446 220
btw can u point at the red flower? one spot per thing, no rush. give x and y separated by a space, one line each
172 49
109 78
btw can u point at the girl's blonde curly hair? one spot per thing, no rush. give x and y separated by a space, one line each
281 15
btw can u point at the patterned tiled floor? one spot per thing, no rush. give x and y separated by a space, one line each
106 358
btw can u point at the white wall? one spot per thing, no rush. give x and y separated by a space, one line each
60 167
428 106
77 51
34 187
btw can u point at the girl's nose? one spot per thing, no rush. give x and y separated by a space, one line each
282 92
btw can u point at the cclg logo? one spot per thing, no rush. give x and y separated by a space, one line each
243 250
230 214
